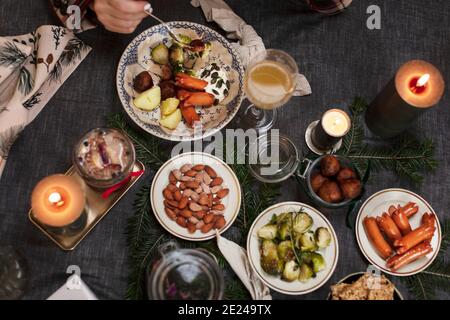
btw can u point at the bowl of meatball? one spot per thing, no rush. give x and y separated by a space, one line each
333 181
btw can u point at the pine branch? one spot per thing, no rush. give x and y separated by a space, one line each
405 156
147 146
437 276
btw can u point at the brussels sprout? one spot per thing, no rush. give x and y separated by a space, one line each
318 262
160 54
291 271
284 231
302 222
306 272
205 53
306 257
307 242
285 251
184 39
323 237
270 262
269 232
176 55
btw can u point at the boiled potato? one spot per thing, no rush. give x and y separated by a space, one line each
148 100
172 120
169 105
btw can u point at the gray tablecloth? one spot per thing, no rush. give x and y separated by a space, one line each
338 54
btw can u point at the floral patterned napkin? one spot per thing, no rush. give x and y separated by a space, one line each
32 68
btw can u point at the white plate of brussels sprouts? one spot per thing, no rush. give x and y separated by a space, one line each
293 248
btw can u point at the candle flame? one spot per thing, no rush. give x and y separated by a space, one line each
423 80
55 199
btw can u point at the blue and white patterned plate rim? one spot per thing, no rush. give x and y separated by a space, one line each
131 53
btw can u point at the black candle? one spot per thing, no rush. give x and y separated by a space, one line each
416 87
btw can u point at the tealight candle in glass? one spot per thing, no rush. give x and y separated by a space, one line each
59 201
104 157
335 124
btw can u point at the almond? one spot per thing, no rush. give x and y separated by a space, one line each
183 203
199 224
177 195
199 190
199 214
218 207
185 213
206 178
172 187
210 200
192 184
220 223
222 193
195 207
210 171
207 228
167 194
199 177
205 188
203 201
177 174
198 167
191 173
172 178
186 178
216 189
170 213
171 204
216 182
191 227
193 220
185 168
181 222
208 218
182 186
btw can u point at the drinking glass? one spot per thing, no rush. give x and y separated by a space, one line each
13 273
329 6
269 83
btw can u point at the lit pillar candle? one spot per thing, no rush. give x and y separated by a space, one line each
416 87
58 200
335 124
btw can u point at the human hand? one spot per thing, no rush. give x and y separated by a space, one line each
122 16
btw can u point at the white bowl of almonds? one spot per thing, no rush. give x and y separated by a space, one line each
194 194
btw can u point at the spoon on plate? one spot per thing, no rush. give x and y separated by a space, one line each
149 10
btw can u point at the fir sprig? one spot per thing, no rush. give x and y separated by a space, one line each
436 277
405 155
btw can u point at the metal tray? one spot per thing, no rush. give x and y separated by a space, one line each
97 209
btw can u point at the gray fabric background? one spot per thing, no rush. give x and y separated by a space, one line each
340 57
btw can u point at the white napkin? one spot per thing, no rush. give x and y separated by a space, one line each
32 68
238 260
249 43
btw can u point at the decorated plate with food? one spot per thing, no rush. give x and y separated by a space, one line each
293 248
398 232
195 194
180 90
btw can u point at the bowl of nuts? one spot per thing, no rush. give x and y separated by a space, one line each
195 194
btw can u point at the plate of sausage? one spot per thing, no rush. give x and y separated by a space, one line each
398 232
